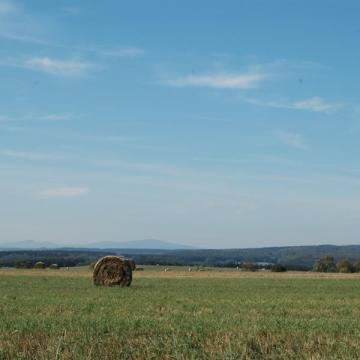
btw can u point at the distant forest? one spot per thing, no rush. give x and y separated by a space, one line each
293 257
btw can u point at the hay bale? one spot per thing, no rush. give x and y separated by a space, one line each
54 267
112 271
132 263
128 269
39 265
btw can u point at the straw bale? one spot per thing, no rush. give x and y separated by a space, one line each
113 271
39 265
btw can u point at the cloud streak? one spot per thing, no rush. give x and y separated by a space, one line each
26 39
54 117
58 67
130 52
314 104
220 80
293 140
59 117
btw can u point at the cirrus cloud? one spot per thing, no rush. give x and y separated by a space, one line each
293 140
58 67
313 104
220 80
129 52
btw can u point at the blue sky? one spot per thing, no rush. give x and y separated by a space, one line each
214 124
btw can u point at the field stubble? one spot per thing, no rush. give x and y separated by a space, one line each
179 314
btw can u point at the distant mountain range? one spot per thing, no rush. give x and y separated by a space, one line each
140 244
137 244
28 245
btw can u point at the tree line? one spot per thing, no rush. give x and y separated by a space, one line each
213 258
328 264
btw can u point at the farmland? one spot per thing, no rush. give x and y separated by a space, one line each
50 314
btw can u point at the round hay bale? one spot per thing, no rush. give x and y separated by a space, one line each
112 271
39 265
54 267
132 263
128 269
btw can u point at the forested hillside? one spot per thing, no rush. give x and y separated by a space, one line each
294 257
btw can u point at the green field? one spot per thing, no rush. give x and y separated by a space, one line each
179 315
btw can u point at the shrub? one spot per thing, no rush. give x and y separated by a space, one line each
278 268
325 264
23 265
248 266
345 266
357 266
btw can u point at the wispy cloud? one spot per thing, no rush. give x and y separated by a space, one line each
129 52
59 116
64 192
25 38
220 80
112 139
55 117
292 139
33 156
17 128
18 25
58 67
314 104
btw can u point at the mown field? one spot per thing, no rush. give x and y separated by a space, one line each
214 314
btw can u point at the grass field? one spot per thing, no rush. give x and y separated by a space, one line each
209 314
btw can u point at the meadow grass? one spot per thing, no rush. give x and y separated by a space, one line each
210 314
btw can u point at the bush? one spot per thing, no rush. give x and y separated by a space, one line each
278 268
357 266
325 264
345 266
23 264
248 266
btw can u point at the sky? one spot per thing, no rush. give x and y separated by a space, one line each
215 124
